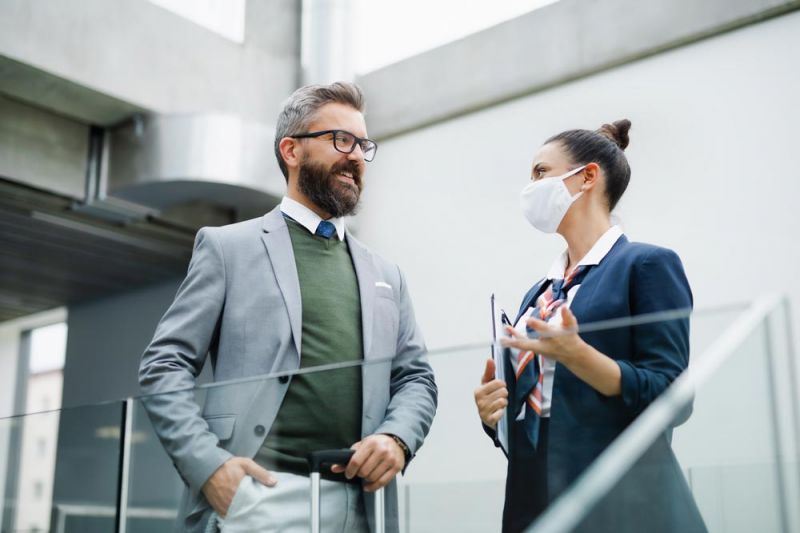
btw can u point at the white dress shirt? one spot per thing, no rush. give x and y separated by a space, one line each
308 218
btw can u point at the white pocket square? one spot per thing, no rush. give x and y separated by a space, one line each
383 284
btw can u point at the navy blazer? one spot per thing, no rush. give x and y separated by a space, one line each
632 279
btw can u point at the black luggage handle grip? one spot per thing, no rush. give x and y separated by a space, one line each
318 459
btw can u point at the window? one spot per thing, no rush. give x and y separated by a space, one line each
41 447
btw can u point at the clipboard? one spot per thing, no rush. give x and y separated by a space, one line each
500 357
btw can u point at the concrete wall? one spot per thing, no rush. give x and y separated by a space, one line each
92 65
701 116
106 62
711 151
563 41
43 149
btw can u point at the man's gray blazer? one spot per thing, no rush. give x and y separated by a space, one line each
240 304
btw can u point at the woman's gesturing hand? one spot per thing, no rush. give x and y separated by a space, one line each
560 343
563 344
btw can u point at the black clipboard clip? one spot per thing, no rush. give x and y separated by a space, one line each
504 318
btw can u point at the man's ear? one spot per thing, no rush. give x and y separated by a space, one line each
291 151
591 175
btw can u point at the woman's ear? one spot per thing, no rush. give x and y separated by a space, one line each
591 175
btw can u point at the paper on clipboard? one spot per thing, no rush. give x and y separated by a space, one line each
499 354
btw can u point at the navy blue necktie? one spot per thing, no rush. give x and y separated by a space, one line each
325 229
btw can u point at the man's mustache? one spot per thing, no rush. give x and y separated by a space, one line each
351 167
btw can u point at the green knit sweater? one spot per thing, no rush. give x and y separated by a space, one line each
321 410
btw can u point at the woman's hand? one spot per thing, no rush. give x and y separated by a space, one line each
560 343
491 397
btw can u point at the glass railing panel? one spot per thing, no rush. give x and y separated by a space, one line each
29 443
459 469
785 395
731 467
61 470
154 487
456 481
86 490
158 500
240 414
477 462
727 447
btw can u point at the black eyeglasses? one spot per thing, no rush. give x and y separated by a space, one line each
344 142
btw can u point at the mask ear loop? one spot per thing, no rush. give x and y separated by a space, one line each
573 172
569 175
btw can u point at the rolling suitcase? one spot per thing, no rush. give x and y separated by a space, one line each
325 458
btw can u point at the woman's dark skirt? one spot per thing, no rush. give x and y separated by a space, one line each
526 479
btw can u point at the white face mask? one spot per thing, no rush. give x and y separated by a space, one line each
545 201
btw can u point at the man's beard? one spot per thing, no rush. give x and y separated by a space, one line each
326 190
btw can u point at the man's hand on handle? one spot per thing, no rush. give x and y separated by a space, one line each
378 459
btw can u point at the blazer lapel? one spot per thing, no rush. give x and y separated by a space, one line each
589 284
278 243
365 272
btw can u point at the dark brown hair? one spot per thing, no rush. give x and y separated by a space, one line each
604 146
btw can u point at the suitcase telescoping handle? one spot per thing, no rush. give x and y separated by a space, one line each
325 459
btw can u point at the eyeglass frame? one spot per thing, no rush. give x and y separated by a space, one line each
356 141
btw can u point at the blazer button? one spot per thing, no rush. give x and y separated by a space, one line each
283 379
259 430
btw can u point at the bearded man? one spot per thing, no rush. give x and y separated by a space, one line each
293 290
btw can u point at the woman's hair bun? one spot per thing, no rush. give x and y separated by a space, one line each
617 132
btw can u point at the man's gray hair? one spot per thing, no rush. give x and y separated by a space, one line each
301 108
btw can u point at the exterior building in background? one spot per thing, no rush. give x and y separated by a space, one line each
36 346
38 459
116 147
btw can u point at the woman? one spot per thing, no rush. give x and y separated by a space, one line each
569 396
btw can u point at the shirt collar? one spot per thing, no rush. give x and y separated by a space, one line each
308 218
595 255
